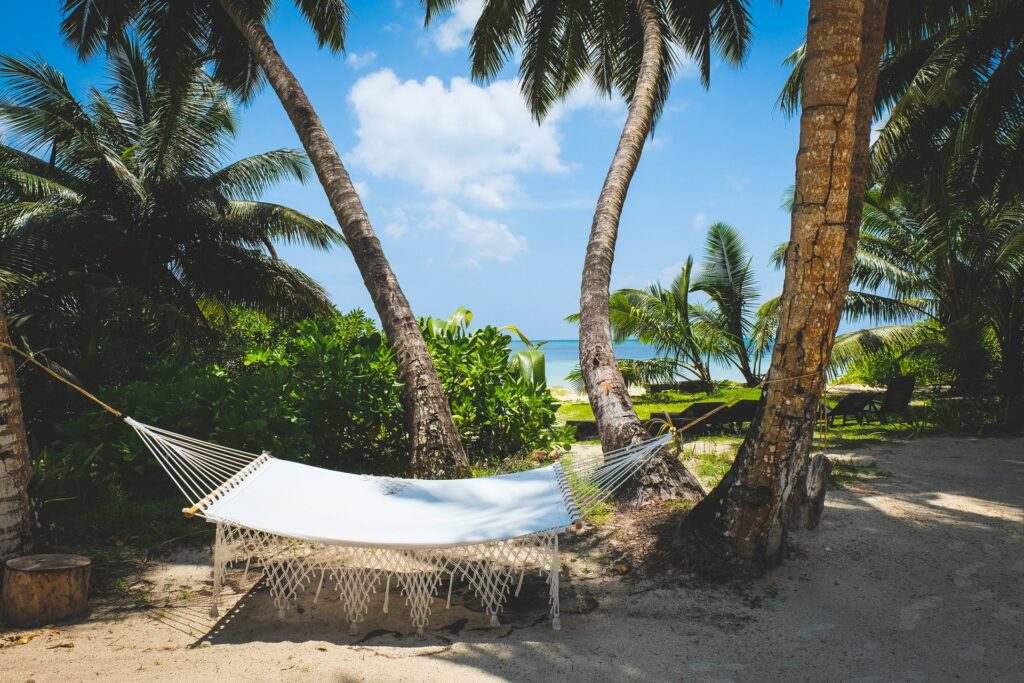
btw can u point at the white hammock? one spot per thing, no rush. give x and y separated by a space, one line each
303 524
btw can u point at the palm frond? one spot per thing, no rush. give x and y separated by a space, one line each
856 346
789 99
252 176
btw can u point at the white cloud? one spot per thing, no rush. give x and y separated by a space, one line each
492 192
472 238
360 60
453 33
878 125
686 65
699 221
676 107
398 226
477 238
669 273
456 140
658 142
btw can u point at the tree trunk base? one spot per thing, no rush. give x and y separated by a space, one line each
700 544
662 479
45 589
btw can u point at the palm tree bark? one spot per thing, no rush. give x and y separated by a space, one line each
15 469
617 421
740 528
436 449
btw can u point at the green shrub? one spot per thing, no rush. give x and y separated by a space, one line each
499 413
323 392
879 368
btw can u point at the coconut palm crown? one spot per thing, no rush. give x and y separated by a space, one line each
181 34
565 42
127 190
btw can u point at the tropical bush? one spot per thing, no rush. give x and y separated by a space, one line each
323 391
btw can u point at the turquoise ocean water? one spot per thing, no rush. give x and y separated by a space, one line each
561 356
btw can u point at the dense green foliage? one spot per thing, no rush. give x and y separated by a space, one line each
952 84
322 391
943 231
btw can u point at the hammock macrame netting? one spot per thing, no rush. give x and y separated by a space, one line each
310 528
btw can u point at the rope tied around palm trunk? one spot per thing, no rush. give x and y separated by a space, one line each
59 378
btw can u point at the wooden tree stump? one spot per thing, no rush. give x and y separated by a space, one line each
45 589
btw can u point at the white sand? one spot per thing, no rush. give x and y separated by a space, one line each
919 576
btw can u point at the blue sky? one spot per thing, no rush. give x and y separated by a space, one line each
476 205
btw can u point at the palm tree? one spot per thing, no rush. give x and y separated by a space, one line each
950 86
230 36
741 526
15 509
957 266
728 279
664 318
131 198
627 47
689 335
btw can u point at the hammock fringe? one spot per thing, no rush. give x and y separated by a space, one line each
291 567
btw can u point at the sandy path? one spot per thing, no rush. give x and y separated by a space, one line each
918 576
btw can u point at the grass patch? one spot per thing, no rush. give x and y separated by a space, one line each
601 513
853 436
709 459
666 401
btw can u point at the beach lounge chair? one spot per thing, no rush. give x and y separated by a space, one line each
738 414
851 405
895 401
585 429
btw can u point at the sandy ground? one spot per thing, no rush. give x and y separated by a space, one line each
915 576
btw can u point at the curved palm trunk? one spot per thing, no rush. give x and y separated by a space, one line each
740 528
15 470
436 449
751 379
617 421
